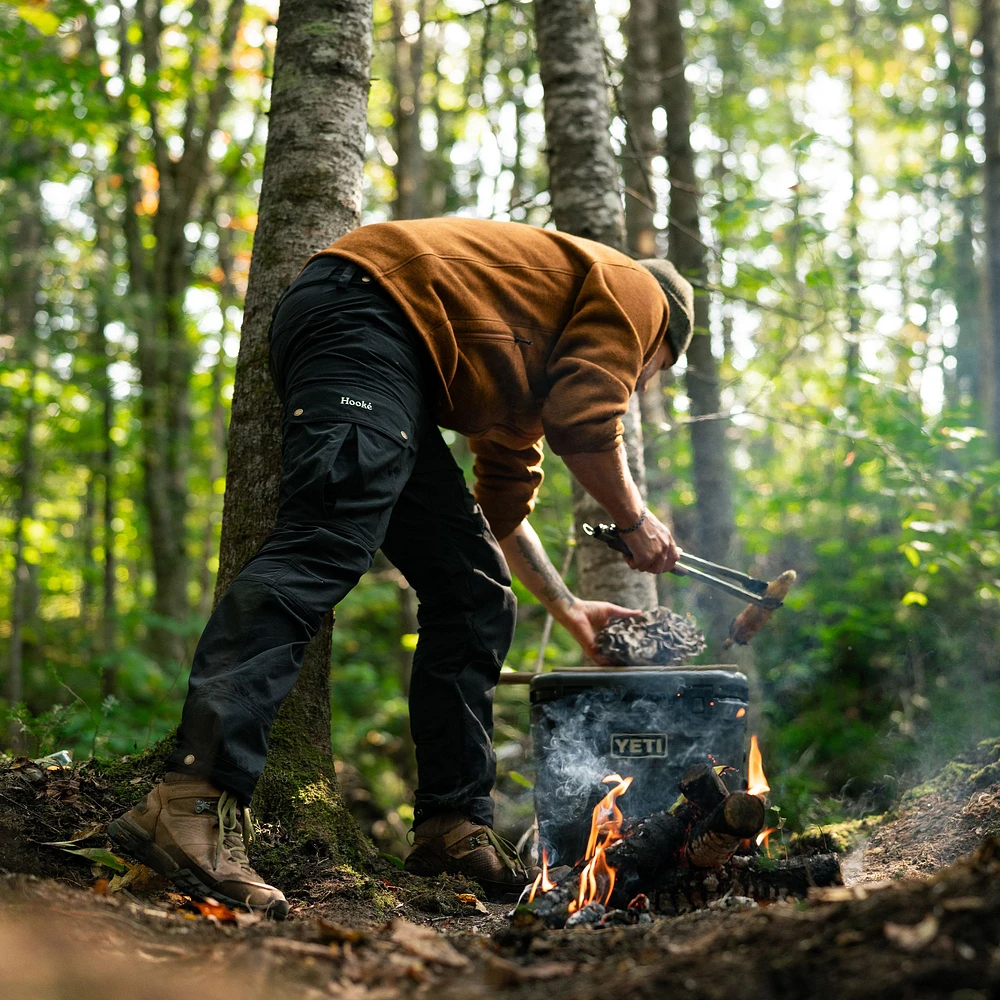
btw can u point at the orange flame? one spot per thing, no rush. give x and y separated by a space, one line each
764 837
542 880
597 880
757 785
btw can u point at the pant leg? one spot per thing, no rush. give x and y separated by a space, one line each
440 541
339 482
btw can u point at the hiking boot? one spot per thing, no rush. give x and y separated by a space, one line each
195 835
452 844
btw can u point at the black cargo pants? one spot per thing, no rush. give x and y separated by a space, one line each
363 467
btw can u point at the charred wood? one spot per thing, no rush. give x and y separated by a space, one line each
642 859
715 838
703 787
684 889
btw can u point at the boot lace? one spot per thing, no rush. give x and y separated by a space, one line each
505 849
234 835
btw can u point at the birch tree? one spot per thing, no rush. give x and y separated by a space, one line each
586 201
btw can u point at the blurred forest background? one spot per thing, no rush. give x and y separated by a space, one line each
834 182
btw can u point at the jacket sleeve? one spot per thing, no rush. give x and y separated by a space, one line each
619 319
507 482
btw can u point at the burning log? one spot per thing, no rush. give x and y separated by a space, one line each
703 786
684 857
713 840
640 860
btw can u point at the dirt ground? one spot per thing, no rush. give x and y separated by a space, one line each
912 922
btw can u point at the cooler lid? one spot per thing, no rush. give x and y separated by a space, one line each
723 681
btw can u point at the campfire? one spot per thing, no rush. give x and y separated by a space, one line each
707 845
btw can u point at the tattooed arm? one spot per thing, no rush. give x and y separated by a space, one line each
530 564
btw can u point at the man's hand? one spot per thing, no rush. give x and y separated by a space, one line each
584 619
652 545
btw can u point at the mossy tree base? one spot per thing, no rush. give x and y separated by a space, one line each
298 796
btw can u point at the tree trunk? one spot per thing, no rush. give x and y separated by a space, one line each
640 95
964 384
311 194
711 469
989 33
586 201
19 309
408 71
109 615
85 529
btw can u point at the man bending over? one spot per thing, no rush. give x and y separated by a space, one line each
505 333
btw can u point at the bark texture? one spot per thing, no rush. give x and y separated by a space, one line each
311 195
640 96
586 201
408 70
989 33
711 467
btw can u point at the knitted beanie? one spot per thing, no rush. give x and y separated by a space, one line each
680 295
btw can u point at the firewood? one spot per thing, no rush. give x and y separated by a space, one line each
714 839
768 880
684 889
703 786
648 851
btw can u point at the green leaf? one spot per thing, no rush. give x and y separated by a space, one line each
520 779
42 20
915 597
99 856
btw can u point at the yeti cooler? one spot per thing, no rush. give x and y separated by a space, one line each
652 723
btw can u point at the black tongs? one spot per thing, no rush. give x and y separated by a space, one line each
746 587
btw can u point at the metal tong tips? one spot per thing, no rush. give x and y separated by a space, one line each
745 587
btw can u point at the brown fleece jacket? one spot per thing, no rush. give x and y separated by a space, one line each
532 334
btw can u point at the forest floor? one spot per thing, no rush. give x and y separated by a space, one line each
919 916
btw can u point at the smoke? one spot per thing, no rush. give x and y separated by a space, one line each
652 726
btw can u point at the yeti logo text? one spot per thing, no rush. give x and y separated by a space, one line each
638 744
347 401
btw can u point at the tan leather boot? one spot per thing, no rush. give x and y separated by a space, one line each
451 843
195 835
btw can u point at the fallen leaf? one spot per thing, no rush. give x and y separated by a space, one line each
99 856
500 972
100 887
426 943
292 947
91 830
329 930
912 937
470 899
137 877
214 910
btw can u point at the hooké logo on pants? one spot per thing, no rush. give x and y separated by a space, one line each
347 401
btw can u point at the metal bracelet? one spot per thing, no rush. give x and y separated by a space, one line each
635 527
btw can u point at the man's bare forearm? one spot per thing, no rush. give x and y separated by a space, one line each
605 476
529 562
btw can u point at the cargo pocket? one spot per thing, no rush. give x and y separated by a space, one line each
348 470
